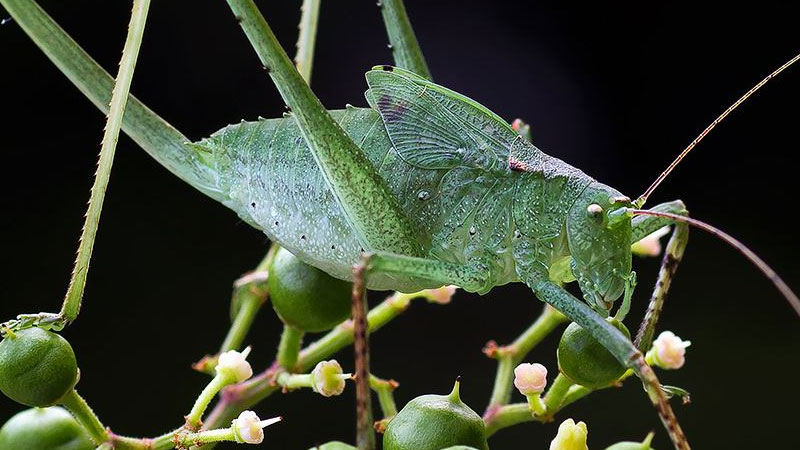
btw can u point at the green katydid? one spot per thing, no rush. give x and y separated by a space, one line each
433 187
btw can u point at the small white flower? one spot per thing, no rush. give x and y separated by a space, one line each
571 436
249 429
530 379
327 378
235 365
442 295
669 351
650 245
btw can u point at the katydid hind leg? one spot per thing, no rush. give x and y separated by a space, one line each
364 196
619 346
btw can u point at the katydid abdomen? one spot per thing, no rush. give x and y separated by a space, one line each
473 209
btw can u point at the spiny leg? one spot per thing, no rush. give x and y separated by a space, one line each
468 277
364 196
669 265
619 346
405 47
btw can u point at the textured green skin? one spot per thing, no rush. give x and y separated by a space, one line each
44 429
335 445
446 159
434 422
306 297
629 446
585 361
37 367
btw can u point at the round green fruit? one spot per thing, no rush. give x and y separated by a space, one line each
585 361
435 422
460 447
37 367
306 297
627 445
334 445
44 429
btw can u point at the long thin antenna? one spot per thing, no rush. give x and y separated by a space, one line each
643 198
749 254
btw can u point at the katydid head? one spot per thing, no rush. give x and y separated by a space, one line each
600 244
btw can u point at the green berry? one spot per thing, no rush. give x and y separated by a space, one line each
334 445
435 422
585 361
44 429
37 367
627 445
306 297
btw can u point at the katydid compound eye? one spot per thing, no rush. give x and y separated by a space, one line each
594 210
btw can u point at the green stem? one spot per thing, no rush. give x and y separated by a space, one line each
194 418
163 442
384 389
191 440
511 355
295 381
245 395
304 58
119 99
575 393
556 393
249 305
289 347
85 416
508 416
405 47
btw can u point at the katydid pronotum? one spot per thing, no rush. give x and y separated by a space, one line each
434 187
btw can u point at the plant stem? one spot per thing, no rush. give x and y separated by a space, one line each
289 347
384 389
575 393
292 381
511 355
85 416
556 393
194 418
405 47
192 440
304 58
236 398
507 416
252 297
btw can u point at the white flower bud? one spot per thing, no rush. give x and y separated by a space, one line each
327 378
571 436
235 365
650 245
530 379
668 351
249 429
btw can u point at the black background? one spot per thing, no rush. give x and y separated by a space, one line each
616 89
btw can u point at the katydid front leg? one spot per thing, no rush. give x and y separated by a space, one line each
644 225
619 346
